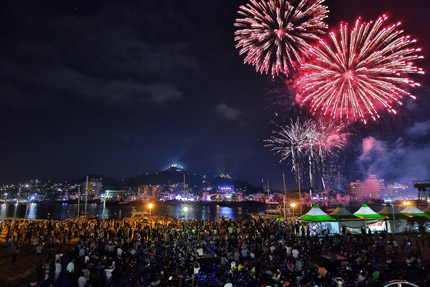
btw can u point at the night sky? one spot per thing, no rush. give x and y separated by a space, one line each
125 87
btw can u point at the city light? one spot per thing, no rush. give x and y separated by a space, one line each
293 204
150 209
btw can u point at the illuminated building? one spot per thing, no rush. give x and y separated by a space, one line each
151 192
95 187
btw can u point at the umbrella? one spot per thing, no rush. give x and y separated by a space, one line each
341 213
387 212
414 211
316 215
365 212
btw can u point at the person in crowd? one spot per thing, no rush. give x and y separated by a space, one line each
222 252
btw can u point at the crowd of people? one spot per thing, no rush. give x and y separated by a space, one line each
219 252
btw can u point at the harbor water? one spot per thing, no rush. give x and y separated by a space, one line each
63 211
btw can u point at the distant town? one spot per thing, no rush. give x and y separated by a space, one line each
174 184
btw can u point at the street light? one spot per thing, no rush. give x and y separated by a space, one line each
150 209
292 206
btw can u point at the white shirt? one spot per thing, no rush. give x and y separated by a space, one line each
109 272
361 278
200 251
70 267
295 253
82 281
196 270
272 249
57 268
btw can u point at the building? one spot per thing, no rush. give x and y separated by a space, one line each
95 187
151 192
116 193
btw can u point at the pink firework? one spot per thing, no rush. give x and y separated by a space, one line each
362 72
274 34
329 137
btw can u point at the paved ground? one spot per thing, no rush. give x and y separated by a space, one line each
24 269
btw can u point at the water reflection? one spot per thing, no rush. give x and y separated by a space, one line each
226 212
31 212
3 209
64 211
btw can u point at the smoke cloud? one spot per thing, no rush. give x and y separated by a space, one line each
401 161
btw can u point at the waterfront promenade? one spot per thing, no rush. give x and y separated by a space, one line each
205 253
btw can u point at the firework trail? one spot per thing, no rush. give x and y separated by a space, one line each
361 72
278 101
330 137
291 141
274 34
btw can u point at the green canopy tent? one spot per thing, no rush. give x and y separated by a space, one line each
346 218
395 221
319 218
412 211
427 209
387 212
366 213
341 213
316 215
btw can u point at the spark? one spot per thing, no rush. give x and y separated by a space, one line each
274 34
360 72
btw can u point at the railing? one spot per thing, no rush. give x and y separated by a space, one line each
423 182
399 283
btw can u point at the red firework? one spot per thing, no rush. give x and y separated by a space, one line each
360 73
274 34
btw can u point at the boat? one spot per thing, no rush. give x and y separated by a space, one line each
271 214
146 216
139 214
125 201
88 217
267 214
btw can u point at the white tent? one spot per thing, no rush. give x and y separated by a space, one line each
414 211
316 215
365 212
369 217
346 218
394 219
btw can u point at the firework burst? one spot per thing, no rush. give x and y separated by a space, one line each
309 140
363 71
316 138
291 140
274 34
330 137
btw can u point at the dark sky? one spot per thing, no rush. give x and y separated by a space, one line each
125 87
